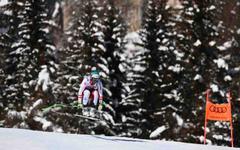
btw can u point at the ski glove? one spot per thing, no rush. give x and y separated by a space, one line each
80 105
100 107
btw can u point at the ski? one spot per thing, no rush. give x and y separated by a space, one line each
89 113
61 106
75 105
78 115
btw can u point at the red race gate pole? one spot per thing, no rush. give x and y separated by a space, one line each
231 126
205 124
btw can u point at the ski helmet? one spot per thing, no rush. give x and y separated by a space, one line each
95 73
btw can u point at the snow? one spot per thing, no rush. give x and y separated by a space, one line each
212 7
167 107
139 68
190 21
45 30
221 48
104 68
159 18
212 43
197 43
45 123
7 12
3 2
214 87
56 10
36 104
198 77
131 39
221 63
178 54
169 96
51 47
20 139
163 48
225 45
227 78
238 31
165 40
20 3
179 119
177 68
43 79
157 132
102 47
14 114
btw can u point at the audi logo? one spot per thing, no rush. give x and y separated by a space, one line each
218 109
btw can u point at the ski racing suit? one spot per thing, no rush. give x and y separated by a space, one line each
88 89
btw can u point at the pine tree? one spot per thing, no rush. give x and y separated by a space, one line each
205 63
165 112
233 29
88 30
187 55
8 33
153 76
210 30
7 39
30 49
83 49
114 30
3 27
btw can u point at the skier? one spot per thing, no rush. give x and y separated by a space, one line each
91 87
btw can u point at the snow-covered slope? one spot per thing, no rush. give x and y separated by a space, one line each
19 139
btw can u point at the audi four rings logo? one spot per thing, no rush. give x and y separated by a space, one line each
218 109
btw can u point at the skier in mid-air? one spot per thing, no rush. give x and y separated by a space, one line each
91 90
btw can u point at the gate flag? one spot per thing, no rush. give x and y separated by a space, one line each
218 112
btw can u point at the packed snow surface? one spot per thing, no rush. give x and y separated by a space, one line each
19 139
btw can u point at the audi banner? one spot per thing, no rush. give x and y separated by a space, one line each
218 112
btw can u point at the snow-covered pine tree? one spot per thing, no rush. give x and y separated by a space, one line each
42 41
185 38
214 66
152 78
55 12
226 73
3 27
209 34
88 31
12 57
114 30
129 108
205 63
166 71
83 49
9 19
29 51
8 30
233 24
